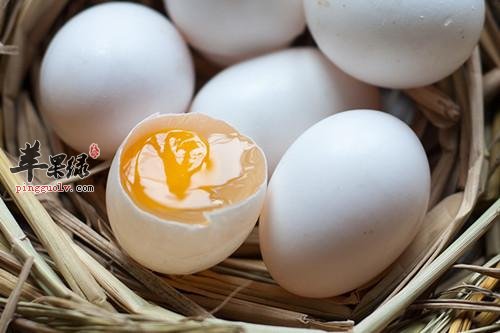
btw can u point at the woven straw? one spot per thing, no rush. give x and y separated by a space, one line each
61 270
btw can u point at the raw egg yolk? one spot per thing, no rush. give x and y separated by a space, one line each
183 155
179 174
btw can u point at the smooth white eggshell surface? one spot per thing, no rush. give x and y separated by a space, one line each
396 44
108 68
174 247
343 203
276 97
228 31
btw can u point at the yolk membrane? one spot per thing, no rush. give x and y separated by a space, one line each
179 174
183 155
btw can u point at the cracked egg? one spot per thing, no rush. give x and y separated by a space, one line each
184 191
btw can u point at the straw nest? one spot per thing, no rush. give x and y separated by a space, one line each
61 270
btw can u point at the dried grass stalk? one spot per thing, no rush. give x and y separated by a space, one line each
437 106
493 186
9 262
462 288
491 81
441 172
75 273
30 129
492 272
65 315
210 283
20 245
464 321
9 281
490 37
121 294
382 316
466 305
10 306
154 283
25 29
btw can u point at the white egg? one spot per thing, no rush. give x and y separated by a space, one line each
228 31
343 203
276 97
183 244
396 44
109 67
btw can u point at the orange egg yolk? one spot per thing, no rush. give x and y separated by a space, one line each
179 174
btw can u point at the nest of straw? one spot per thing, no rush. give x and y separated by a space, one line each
61 270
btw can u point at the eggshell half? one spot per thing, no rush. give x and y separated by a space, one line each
174 247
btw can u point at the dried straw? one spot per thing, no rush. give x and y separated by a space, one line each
59 248
84 282
381 317
10 306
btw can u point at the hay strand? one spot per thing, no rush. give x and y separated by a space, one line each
381 317
60 250
75 257
10 306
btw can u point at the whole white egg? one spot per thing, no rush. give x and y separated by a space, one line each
396 44
228 31
344 202
109 67
276 97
